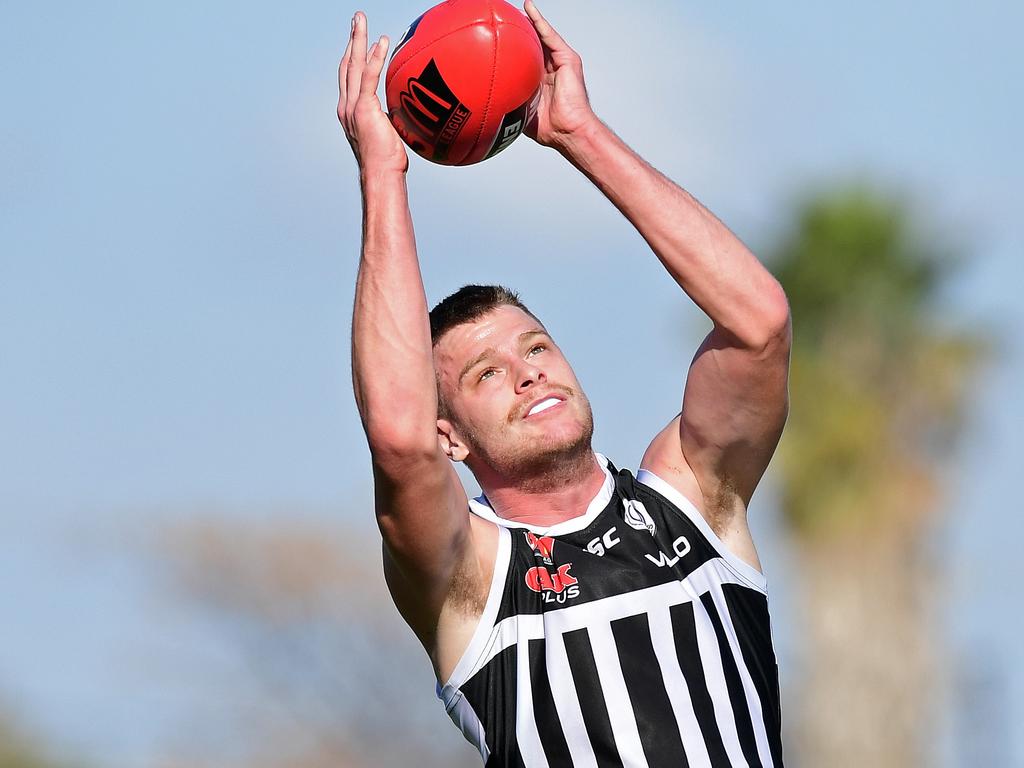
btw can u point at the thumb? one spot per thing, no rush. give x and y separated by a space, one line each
545 31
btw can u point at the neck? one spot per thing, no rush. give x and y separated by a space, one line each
561 493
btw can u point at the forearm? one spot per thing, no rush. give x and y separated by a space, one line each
392 363
707 261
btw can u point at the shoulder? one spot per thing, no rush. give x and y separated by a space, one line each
664 459
725 529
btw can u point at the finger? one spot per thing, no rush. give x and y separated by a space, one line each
545 31
343 68
374 64
358 61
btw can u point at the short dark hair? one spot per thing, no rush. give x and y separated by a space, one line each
469 303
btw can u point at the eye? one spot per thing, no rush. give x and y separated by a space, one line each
486 374
537 348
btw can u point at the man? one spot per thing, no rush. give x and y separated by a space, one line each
574 614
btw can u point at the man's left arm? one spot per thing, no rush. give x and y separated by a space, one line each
736 396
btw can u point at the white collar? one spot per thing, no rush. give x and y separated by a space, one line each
481 507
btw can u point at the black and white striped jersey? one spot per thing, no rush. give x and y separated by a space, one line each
629 636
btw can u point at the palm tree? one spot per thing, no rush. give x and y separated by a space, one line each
879 385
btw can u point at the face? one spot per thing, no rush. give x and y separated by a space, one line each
513 402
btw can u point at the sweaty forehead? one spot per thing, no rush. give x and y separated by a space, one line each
500 329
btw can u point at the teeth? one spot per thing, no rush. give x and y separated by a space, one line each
543 405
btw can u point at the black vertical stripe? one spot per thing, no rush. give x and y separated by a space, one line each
688 652
749 612
591 697
652 707
740 710
549 727
493 698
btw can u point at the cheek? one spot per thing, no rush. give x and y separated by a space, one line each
567 377
481 410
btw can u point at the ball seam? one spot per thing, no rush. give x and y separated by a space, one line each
490 89
387 80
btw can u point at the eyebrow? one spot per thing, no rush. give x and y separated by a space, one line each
491 351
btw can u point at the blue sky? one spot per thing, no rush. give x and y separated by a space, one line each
178 240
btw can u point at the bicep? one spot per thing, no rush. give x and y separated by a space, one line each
734 407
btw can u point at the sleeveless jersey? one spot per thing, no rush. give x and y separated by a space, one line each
629 636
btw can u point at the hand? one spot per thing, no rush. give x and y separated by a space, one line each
374 140
564 107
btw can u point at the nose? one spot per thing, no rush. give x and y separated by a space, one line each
528 375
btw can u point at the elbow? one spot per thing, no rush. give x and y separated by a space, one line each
398 447
394 465
777 323
767 326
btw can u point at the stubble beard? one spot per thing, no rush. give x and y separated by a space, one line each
535 467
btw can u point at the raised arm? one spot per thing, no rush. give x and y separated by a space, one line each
420 504
735 399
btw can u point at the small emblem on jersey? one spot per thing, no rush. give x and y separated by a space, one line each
554 587
542 546
636 516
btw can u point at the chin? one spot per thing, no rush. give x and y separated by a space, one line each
534 455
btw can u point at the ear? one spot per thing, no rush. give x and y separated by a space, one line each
450 442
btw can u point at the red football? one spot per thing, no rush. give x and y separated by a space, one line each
464 80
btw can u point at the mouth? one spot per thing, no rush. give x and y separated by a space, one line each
543 405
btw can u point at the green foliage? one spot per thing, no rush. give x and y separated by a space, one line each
878 385
853 259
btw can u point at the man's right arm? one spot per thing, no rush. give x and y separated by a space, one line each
420 504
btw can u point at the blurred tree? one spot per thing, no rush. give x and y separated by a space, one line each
332 678
880 382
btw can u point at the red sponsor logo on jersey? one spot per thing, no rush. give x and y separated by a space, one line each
542 580
542 546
